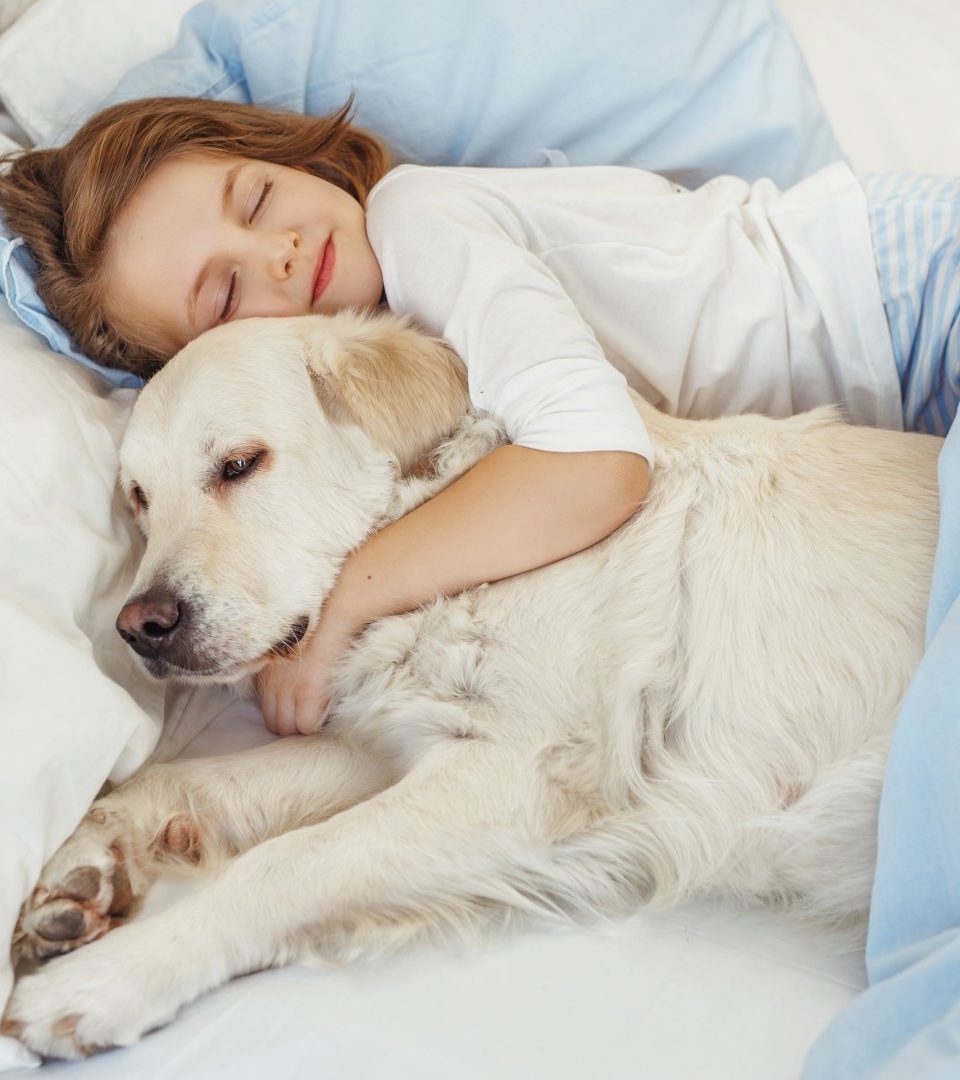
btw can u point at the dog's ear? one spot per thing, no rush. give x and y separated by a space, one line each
405 389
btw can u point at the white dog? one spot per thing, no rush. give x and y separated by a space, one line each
700 703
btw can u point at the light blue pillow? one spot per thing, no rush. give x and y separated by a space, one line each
663 84
17 271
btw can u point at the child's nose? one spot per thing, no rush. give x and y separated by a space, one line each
284 254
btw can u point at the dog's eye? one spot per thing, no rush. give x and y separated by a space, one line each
138 498
238 466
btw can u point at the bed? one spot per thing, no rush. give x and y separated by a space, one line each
704 990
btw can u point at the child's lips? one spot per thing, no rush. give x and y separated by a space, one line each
325 264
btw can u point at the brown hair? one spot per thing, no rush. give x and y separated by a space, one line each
63 202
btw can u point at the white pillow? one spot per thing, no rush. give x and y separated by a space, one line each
888 74
75 707
62 55
11 10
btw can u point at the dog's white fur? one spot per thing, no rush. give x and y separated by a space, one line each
700 703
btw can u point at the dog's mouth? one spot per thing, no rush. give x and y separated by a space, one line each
288 644
163 668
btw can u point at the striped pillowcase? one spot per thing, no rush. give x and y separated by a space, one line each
916 235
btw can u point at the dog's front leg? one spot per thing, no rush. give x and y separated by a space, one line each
440 839
184 814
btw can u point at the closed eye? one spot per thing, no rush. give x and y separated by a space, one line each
227 310
228 305
267 188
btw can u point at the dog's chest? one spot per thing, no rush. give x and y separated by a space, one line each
467 667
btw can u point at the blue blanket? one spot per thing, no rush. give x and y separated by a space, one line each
907 1025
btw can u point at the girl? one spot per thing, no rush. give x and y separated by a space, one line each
162 218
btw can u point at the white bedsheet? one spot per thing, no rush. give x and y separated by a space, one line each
705 991
688 995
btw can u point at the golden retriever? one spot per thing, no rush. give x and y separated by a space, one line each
700 703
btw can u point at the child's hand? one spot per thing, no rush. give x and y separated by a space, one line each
295 693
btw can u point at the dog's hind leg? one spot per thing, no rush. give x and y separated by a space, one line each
449 836
181 815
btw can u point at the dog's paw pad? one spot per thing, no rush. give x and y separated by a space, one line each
61 925
82 883
66 1025
84 890
181 837
60 920
121 891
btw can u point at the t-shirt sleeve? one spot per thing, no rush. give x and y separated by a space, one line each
455 254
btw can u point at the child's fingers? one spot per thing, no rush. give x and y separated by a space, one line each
312 709
285 717
275 688
294 698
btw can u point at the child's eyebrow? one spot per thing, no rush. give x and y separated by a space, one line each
229 183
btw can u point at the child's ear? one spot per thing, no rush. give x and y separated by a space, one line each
405 389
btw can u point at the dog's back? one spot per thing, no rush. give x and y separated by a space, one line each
715 684
806 559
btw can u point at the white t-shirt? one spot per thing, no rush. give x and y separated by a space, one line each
558 286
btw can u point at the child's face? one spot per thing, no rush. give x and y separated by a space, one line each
208 239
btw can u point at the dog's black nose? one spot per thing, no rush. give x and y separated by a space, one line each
150 622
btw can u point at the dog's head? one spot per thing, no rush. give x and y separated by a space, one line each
255 461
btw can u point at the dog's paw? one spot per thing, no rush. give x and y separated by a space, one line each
109 994
83 892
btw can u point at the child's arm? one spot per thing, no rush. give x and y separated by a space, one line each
515 510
